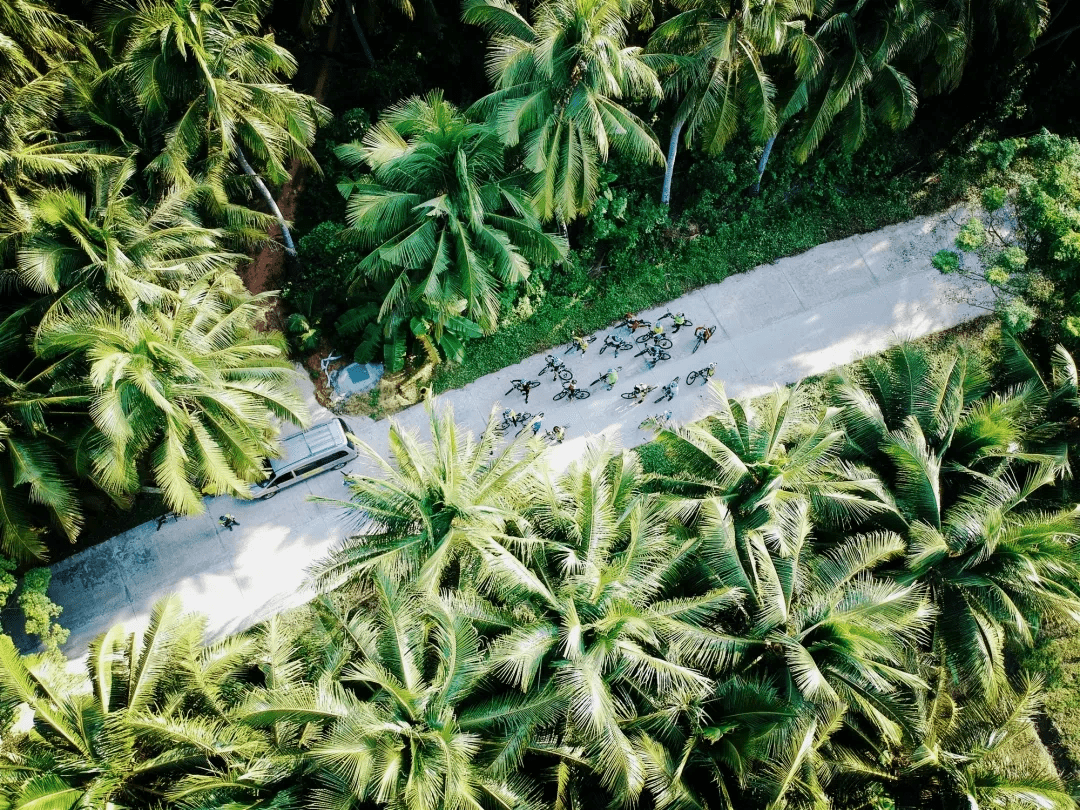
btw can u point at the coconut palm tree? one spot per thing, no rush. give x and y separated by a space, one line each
964 469
446 229
405 737
722 78
440 513
208 91
610 632
35 491
92 253
560 85
983 752
192 388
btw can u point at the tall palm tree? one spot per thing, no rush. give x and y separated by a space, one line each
193 388
404 736
440 513
208 91
446 228
560 85
610 633
90 253
34 488
964 468
722 78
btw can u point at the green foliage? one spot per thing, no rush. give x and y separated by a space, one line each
947 261
40 611
993 198
972 235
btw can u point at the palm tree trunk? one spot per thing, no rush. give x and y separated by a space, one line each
669 169
290 248
360 33
762 163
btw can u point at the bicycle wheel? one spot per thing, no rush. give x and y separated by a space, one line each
561 395
629 395
693 375
579 394
644 338
665 356
565 374
663 343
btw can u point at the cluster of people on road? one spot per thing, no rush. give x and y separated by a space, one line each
655 345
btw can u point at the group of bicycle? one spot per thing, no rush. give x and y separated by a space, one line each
655 344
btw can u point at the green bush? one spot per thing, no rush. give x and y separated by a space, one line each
947 261
972 235
40 610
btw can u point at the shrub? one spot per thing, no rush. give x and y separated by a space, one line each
40 610
972 235
947 261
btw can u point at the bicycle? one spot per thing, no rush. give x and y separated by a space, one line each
657 421
574 345
633 323
639 393
678 324
558 369
658 340
606 378
522 386
655 355
556 434
671 390
511 419
571 390
703 335
703 374
616 343
533 423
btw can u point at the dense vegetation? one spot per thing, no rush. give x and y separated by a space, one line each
817 603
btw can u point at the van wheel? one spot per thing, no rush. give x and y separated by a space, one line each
338 466
268 495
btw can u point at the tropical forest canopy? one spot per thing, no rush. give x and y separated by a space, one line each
824 598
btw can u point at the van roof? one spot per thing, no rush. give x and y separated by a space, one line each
311 442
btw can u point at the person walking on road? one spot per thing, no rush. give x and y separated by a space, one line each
537 424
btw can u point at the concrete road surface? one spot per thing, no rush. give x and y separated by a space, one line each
776 324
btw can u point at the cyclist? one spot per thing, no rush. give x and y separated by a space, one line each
558 433
611 376
680 321
614 342
704 333
657 329
641 391
510 416
653 355
709 370
570 387
227 521
581 343
671 390
525 388
554 363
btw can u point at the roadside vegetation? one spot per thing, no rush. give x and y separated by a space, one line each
824 600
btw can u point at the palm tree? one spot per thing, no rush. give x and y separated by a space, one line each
86 746
721 78
560 85
984 752
609 632
964 469
405 737
91 253
194 388
439 513
208 91
33 485
445 227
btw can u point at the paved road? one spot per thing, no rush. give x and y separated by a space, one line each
776 324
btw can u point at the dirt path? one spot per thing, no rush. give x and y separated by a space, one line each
267 267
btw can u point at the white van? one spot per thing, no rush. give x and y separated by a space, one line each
313 451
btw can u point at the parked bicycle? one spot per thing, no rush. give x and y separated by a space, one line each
639 393
580 344
703 374
678 320
653 355
633 323
657 421
655 339
570 389
557 367
704 335
670 391
616 343
524 387
609 377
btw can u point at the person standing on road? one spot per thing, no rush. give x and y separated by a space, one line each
537 424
